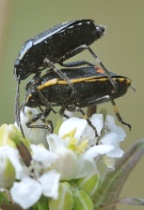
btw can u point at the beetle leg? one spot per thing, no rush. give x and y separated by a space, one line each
77 63
17 104
42 116
83 47
59 72
109 98
88 121
118 114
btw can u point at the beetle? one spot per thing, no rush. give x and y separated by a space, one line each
91 87
56 45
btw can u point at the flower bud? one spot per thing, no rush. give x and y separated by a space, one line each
89 184
64 200
82 201
7 172
6 134
109 162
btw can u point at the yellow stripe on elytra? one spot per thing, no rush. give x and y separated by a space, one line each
72 81
85 79
48 83
28 98
128 81
93 79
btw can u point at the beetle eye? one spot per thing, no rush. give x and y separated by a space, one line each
17 63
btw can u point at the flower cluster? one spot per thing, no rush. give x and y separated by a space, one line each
62 167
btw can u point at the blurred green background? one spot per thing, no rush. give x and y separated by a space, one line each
121 50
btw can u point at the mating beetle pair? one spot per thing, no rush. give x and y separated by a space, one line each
91 87
56 45
78 85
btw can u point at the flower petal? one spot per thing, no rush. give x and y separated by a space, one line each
66 164
110 124
55 142
98 122
85 168
71 124
50 184
112 139
26 193
41 154
94 151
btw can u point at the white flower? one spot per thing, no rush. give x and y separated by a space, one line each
76 157
83 131
71 124
33 181
41 180
28 191
113 135
109 134
72 155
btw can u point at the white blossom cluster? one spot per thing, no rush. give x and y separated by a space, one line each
57 160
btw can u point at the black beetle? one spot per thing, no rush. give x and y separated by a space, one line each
91 87
56 45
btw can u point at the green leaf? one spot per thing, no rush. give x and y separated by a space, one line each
113 181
